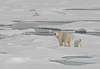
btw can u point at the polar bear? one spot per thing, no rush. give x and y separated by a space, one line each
63 37
78 43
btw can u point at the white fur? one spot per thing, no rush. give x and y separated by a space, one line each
78 43
63 38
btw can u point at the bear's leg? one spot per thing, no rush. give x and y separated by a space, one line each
81 45
65 43
78 45
60 42
74 44
69 44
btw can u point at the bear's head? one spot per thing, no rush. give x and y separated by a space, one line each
56 34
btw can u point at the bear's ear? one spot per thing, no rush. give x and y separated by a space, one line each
80 39
54 34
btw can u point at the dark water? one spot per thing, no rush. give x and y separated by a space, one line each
66 61
83 9
44 31
30 24
71 57
3 52
73 63
21 25
3 36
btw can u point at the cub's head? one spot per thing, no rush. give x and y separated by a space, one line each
80 39
56 34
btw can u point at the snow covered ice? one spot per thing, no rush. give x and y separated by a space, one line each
26 40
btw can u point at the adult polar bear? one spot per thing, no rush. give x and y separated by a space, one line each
63 37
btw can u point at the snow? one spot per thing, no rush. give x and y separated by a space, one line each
33 50
21 48
51 10
14 32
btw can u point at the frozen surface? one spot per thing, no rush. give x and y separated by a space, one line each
51 10
22 51
21 17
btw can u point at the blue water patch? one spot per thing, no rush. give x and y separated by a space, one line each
3 36
73 63
3 52
82 9
73 57
66 60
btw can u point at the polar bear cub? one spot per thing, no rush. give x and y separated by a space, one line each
78 43
63 37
